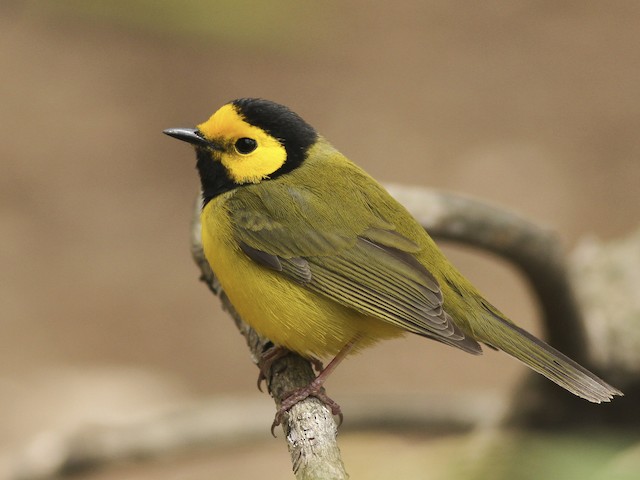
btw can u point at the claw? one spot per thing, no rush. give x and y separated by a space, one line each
266 360
313 389
261 378
276 421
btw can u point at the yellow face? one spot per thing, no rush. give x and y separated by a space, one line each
248 153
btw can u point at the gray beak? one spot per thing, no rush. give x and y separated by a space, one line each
190 135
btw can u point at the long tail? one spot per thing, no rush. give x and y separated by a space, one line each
545 360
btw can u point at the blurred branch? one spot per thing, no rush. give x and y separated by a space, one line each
230 421
607 284
217 423
606 277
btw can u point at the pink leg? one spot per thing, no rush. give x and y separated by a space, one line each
273 354
315 388
266 361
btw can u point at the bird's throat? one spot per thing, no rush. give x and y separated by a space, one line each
214 178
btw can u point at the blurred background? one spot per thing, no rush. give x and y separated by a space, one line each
531 105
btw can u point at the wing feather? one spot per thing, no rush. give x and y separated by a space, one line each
363 264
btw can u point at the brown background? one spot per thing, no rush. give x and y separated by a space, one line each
532 105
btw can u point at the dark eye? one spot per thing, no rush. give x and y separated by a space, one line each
245 145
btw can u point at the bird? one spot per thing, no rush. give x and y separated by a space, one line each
320 259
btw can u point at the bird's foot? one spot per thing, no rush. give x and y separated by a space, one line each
314 389
266 361
271 355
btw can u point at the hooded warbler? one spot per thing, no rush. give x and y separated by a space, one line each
316 256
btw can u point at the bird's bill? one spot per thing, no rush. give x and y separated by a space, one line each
189 135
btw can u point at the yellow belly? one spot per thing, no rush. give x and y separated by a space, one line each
279 309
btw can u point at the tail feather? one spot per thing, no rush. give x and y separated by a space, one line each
546 360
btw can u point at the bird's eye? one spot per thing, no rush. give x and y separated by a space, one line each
245 145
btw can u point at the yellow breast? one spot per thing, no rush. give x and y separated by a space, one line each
281 310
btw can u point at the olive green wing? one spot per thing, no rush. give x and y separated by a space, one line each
359 262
